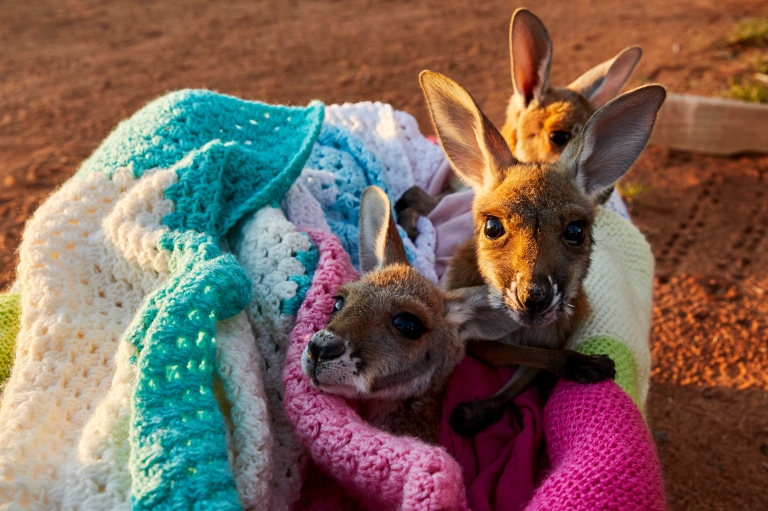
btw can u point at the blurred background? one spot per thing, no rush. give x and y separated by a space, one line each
70 70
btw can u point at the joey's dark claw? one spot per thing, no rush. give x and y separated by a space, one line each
589 368
416 198
472 417
407 220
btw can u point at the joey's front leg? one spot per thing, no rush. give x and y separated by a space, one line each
567 364
416 198
472 417
587 368
410 206
407 220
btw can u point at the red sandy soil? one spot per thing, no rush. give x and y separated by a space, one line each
70 70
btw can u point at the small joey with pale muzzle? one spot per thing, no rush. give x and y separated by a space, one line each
533 222
394 337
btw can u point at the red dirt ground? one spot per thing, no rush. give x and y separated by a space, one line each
70 70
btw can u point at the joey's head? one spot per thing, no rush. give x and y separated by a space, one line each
542 119
393 334
534 221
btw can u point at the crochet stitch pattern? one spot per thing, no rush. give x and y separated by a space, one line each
601 453
218 185
408 158
365 144
280 262
386 471
229 158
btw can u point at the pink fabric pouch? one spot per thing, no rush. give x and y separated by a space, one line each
599 452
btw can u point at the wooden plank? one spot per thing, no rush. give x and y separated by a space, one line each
711 125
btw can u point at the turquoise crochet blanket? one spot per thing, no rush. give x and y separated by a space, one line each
231 157
153 207
158 290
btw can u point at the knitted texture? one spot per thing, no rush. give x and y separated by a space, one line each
407 157
280 262
9 328
601 454
382 470
343 446
171 127
100 264
147 371
620 291
616 204
72 279
626 371
383 151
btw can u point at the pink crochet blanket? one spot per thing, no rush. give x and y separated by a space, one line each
600 454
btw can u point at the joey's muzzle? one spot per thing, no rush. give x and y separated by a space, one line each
323 348
536 298
534 304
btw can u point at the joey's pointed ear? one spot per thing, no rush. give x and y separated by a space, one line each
475 147
612 139
476 316
601 83
380 243
530 49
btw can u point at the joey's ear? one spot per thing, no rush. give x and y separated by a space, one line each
477 318
530 49
601 83
612 139
475 147
380 243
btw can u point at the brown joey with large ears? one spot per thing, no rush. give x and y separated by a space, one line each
394 337
542 119
533 221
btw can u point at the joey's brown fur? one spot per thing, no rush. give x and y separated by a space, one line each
528 127
534 204
532 239
394 337
541 119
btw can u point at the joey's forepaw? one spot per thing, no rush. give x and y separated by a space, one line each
416 198
472 417
590 368
407 219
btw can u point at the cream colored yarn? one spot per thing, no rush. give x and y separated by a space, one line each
266 251
620 290
88 258
393 136
68 338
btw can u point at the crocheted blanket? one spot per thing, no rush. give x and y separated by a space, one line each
155 355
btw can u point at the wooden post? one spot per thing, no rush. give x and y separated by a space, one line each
711 125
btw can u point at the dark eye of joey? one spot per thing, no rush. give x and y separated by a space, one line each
409 325
338 305
559 138
575 233
494 229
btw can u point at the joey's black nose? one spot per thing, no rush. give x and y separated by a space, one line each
538 299
326 350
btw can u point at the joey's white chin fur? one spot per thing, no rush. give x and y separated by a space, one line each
557 308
